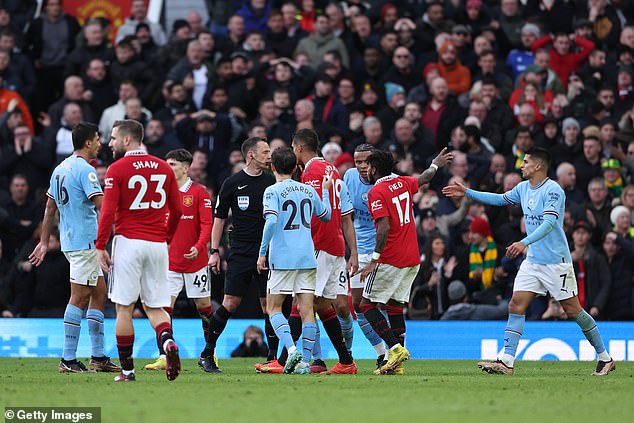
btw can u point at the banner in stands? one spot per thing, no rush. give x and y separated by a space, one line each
425 340
116 11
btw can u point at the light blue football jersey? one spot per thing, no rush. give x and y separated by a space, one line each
363 224
538 201
291 205
73 183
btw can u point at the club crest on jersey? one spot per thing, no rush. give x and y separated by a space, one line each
188 200
243 202
364 196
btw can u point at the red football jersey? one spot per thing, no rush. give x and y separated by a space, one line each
391 196
194 229
328 236
140 190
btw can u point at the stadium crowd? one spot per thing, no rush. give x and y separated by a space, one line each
488 78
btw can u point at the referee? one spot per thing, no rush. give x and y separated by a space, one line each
242 193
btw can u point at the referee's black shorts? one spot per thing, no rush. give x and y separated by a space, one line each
242 270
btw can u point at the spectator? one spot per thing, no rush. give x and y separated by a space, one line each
441 113
395 96
591 270
331 152
19 66
483 256
522 56
98 86
116 112
329 111
461 309
27 155
435 273
138 15
128 67
567 178
562 60
613 178
621 218
252 344
322 41
94 47
7 97
401 72
589 166
598 208
569 149
457 75
74 92
23 216
155 141
619 254
49 41
42 291
406 146
255 14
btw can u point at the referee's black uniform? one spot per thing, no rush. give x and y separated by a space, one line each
242 194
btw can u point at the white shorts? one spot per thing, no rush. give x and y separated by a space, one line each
290 282
355 281
332 279
388 282
196 284
139 268
84 267
557 279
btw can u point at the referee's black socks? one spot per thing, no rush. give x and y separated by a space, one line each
216 327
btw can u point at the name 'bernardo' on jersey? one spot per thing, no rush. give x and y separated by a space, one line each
294 188
145 165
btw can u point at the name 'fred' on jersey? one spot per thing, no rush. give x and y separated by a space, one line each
391 197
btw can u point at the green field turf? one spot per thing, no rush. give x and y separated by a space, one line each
431 391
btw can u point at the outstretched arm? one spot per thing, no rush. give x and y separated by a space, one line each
441 160
458 190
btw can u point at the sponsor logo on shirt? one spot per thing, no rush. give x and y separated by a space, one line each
314 183
376 205
243 202
108 182
188 200
207 203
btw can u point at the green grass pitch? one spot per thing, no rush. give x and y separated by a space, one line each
430 391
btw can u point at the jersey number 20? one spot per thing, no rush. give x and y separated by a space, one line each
141 181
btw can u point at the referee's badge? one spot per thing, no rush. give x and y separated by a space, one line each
243 202
188 200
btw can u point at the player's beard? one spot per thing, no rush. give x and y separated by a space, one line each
117 154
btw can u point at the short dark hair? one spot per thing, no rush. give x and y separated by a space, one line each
249 145
362 148
180 155
284 160
540 154
131 128
82 132
382 161
307 138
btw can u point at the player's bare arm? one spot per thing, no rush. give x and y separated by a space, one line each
104 260
457 190
382 231
216 234
441 160
39 252
515 249
351 239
